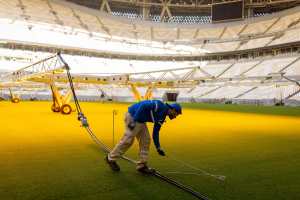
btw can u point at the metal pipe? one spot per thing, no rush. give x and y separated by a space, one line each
180 185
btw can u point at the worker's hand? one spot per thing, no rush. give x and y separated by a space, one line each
161 152
131 125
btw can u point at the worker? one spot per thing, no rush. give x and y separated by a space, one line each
138 114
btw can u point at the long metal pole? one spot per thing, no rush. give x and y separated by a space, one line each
113 132
180 186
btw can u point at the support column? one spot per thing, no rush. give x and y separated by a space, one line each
146 10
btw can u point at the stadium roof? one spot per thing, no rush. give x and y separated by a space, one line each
168 10
71 27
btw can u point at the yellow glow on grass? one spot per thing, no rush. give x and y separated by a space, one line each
33 123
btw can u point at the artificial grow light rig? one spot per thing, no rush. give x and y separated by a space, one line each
43 71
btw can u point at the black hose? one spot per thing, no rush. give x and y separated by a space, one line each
181 186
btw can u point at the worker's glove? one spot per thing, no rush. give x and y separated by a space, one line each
131 125
161 152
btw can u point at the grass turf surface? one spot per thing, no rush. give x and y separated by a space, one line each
48 156
267 110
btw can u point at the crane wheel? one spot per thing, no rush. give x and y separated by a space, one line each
15 100
55 108
66 109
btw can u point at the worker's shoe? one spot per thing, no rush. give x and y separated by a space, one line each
112 164
145 169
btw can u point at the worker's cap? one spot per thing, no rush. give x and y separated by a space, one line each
175 106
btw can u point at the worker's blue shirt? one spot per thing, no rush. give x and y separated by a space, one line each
150 111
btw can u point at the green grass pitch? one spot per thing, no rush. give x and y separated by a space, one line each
48 156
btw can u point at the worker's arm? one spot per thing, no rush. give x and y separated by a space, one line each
155 137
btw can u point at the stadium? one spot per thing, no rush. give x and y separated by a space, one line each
70 70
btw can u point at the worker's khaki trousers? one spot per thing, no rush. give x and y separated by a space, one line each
140 132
